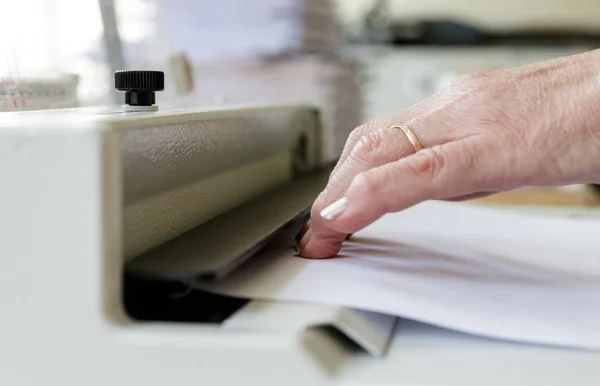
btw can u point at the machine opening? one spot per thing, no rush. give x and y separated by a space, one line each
147 299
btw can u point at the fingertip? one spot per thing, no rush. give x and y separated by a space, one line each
318 252
318 247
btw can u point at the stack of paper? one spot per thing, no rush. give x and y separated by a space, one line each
241 28
22 94
332 84
512 276
270 52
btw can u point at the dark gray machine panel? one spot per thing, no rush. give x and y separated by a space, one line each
213 249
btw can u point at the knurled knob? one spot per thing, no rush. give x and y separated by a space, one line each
140 86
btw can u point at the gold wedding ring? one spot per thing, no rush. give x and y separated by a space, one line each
409 134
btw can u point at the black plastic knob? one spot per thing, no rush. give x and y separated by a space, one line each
140 86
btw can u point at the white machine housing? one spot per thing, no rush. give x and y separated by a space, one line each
96 212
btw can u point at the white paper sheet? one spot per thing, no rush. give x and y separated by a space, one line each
483 271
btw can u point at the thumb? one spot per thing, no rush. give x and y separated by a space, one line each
451 170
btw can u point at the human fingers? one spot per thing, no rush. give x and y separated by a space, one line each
435 122
372 150
455 169
406 115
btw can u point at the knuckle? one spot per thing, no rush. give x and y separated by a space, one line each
356 134
366 184
371 141
373 187
474 82
367 147
428 163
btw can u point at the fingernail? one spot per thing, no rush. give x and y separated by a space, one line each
335 209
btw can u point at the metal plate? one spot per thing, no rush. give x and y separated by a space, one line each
212 250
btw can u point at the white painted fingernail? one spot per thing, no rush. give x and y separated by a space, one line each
335 209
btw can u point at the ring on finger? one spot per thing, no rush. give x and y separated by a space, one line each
410 135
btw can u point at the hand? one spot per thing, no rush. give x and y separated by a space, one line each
537 125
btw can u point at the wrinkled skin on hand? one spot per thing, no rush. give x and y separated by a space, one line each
537 125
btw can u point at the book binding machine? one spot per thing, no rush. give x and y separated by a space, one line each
110 215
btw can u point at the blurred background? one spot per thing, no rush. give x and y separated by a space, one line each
379 54
355 59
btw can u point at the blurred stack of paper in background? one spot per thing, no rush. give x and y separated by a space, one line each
21 94
209 30
268 52
332 84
